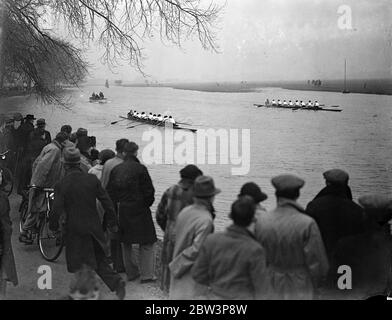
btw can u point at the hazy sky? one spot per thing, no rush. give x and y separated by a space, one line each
276 40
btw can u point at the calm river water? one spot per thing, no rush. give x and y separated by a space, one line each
304 143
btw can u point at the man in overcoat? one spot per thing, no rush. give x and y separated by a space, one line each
131 189
293 244
85 243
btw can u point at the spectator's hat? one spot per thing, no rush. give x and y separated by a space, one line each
205 187
287 183
336 176
376 202
190 172
18 117
71 155
106 155
82 132
41 123
377 207
30 117
253 190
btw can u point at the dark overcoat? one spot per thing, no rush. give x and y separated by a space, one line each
7 261
131 189
75 198
337 216
369 255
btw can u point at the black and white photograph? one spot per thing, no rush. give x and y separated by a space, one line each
206 152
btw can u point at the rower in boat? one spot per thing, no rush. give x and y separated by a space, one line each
298 104
303 104
273 102
316 104
160 118
151 117
267 102
310 105
291 104
101 95
279 103
285 104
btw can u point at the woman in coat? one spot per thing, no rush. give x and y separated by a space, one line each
173 201
7 261
132 191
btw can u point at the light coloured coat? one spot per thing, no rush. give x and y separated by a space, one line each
193 225
295 251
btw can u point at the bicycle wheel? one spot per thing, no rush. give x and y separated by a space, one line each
23 214
50 243
7 176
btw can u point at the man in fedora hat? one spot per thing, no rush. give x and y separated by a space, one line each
193 225
334 210
294 247
85 241
173 201
247 277
369 254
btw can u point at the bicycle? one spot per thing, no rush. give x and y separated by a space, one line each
6 173
50 243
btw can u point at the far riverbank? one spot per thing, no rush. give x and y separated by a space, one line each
362 86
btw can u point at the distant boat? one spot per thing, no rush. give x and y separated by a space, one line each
107 84
345 91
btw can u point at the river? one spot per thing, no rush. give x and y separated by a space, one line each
304 143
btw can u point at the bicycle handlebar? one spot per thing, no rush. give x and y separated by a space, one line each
41 189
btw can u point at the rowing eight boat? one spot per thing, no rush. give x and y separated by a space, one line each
157 123
297 108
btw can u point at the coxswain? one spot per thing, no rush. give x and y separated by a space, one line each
273 102
93 96
316 104
267 102
130 114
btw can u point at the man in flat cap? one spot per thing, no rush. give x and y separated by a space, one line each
294 247
369 255
334 211
175 199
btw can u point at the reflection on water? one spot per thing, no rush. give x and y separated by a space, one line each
305 143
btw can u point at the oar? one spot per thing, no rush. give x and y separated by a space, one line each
132 127
115 122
